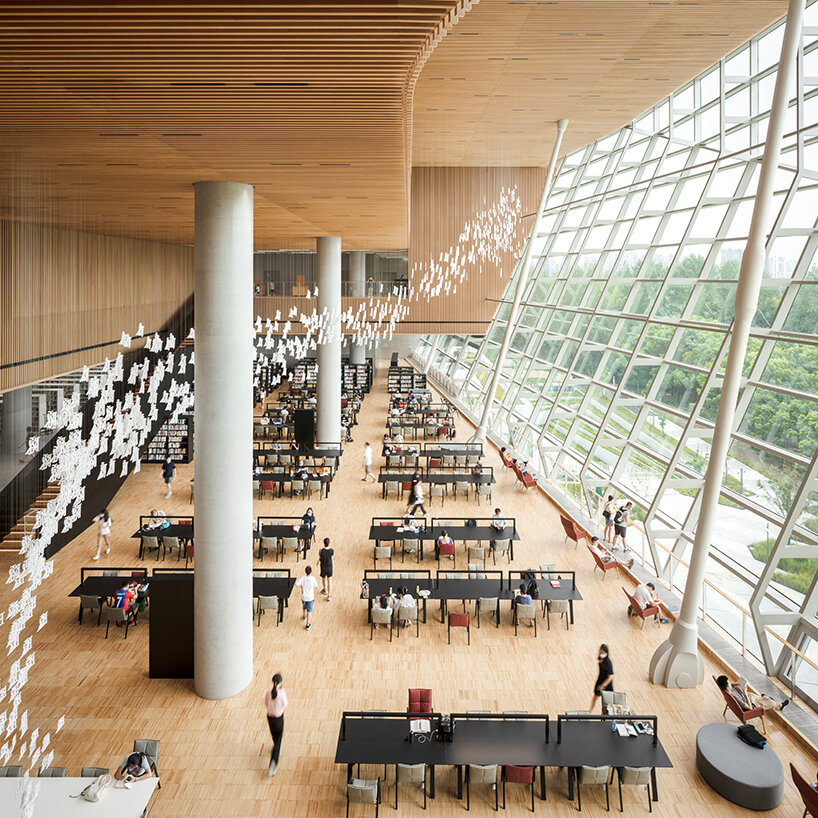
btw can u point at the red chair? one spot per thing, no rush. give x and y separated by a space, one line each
459 620
434 462
603 566
809 795
731 703
267 485
405 486
651 610
506 460
446 551
188 552
518 775
528 480
573 531
420 700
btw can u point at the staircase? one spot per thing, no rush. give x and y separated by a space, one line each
25 525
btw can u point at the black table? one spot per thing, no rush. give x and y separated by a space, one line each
567 591
472 533
182 531
302 532
378 587
496 739
100 586
442 452
286 477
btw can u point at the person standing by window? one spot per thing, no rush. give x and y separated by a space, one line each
604 678
608 515
103 521
168 473
275 701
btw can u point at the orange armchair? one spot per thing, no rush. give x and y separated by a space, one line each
731 703
651 610
600 563
573 531
809 795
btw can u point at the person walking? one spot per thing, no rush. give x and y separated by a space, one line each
604 678
275 701
416 497
325 564
168 473
368 463
103 521
307 584
621 522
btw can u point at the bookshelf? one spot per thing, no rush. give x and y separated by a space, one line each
174 439
404 379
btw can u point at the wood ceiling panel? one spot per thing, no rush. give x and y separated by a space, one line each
492 91
109 112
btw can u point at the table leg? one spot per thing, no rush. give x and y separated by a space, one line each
349 771
653 781
442 610
570 783
431 781
79 615
571 609
460 781
369 611
424 610
542 783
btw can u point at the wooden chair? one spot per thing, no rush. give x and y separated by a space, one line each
527 479
518 775
420 700
651 610
459 620
573 531
601 564
731 703
506 460
808 794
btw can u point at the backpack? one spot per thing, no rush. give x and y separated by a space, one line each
97 789
533 589
618 517
749 735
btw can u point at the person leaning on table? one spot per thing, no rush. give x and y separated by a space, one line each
134 767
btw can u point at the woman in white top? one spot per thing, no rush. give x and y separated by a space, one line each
103 521
275 701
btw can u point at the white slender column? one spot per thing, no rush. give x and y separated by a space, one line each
223 435
479 435
677 662
357 289
329 346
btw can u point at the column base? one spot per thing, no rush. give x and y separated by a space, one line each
677 662
479 436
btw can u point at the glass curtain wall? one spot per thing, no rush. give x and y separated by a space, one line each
613 375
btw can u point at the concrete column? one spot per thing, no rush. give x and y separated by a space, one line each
223 591
329 348
357 352
357 274
479 435
677 662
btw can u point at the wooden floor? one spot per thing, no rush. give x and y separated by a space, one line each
213 756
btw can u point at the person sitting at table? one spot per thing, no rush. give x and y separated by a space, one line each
396 412
477 468
748 699
522 597
285 413
405 599
308 520
443 539
134 767
398 440
385 602
125 598
607 556
158 519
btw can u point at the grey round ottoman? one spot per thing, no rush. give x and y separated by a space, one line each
745 775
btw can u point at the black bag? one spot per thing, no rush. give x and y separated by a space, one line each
533 589
749 735
618 517
471 522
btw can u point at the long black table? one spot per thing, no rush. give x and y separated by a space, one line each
498 739
287 477
438 478
321 451
472 533
104 587
302 532
182 531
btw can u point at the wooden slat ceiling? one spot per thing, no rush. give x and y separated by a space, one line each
492 91
109 111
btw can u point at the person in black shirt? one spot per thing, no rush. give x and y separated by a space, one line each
325 565
168 473
604 679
